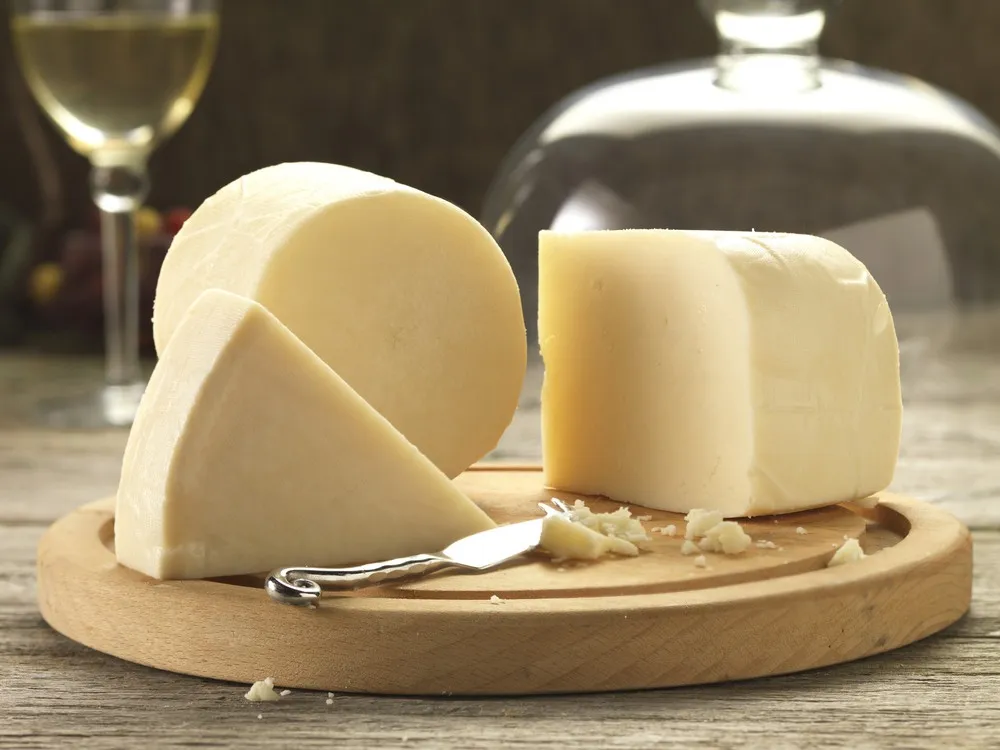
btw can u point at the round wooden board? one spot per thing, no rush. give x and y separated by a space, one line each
652 621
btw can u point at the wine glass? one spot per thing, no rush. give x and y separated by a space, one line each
117 77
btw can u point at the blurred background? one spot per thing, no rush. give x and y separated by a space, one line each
432 93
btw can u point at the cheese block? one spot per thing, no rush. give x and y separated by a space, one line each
747 373
249 453
406 296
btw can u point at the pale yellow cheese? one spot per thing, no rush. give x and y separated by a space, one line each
744 373
248 453
263 691
584 535
849 552
699 521
618 523
566 540
726 536
406 296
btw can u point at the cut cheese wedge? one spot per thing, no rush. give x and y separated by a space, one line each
406 296
248 453
744 373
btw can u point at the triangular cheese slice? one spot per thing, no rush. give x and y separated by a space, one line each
405 295
249 453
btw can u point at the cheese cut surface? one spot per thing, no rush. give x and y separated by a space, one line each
406 296
248 453
745 373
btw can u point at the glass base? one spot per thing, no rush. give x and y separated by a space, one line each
112 406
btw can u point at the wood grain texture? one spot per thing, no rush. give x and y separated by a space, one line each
941 692
651 621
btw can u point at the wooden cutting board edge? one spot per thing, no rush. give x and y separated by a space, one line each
522 646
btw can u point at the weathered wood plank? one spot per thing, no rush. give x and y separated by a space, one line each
45 474
929 695
945 690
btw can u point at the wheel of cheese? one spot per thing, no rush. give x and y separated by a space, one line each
403 294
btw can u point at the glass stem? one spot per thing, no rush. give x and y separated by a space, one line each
119 189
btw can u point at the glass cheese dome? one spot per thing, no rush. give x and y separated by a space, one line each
769 136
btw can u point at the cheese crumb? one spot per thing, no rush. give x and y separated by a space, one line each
726 536
670 530
699 521
850 551
766 544
618 524
283 693
262 690
496 600
329 701
585 535
700 562
689 548
619 546
329 695
643 518
801 530
260 716
718 535
566 540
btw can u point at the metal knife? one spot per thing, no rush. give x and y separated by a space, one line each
476 553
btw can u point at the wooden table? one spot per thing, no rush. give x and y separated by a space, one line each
941 693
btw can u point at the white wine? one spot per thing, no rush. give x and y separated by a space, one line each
116 82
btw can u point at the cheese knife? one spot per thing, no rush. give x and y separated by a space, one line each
303 586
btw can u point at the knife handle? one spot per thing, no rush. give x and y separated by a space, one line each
304 586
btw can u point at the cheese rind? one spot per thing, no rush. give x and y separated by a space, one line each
403 294
746 373
248 453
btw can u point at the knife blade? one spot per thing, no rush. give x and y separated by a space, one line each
304 586
494 546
